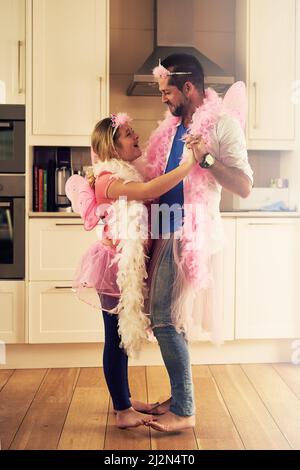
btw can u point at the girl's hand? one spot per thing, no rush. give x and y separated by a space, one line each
190 158
196 144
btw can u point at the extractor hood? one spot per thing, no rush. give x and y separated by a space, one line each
174 33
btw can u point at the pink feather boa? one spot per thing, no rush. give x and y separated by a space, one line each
196 233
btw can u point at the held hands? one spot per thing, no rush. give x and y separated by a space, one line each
198 147
190 158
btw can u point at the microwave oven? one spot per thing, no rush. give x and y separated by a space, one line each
12 138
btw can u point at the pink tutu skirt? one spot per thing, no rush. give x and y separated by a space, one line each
96 276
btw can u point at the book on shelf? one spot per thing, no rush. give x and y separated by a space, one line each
43 173
35 189
45 191
41 189
51 207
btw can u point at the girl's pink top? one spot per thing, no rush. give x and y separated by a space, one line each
102 183
101 186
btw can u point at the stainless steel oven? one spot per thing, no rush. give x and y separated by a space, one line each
12 138
12 226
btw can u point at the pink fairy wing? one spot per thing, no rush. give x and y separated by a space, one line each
235 102
83 200
91 217
73 186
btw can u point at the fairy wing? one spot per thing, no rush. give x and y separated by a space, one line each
235 102
73 186
83 200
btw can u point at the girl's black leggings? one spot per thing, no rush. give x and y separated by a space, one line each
115 364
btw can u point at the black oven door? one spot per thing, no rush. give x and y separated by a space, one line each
12 238
12 139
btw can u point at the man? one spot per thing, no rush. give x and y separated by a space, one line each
218 143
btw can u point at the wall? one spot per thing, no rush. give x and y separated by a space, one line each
131 42
265 165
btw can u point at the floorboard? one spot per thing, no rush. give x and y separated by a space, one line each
252 419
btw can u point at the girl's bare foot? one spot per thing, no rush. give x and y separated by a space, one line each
170 422
141 406
161 408
131 419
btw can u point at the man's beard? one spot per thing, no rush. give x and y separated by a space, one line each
177 111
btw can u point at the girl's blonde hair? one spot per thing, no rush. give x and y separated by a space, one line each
103 144
103 140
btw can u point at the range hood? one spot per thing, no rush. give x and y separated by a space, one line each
174 21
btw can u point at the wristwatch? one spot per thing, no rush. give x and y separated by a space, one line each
207 161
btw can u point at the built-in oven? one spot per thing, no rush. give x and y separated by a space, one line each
12 226
12 138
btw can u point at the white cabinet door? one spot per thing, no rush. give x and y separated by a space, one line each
70 70
55 247
267 40
224 274
12 51
228 277
57 316
267 279
12 311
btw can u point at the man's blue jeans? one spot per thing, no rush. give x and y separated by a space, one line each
173 346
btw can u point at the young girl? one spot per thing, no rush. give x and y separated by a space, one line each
115 265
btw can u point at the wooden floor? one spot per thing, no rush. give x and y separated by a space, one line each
238 407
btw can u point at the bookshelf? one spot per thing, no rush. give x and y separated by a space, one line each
44 162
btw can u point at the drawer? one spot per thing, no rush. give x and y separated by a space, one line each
12 311
55 248
56 315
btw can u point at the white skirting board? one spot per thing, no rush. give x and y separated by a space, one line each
30 356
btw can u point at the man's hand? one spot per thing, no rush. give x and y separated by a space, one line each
197 145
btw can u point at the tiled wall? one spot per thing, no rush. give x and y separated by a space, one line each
131 42
265 165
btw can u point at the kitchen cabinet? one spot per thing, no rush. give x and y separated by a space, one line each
266 62
267 278
227 273
69 67
57 244
12 311
224 275
56 315
12 51
258 272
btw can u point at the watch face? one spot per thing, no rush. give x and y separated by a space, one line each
209 160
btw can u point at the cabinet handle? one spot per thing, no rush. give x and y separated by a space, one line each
4 204
265 223
63 287
100 96
20 90
75 225
68 225
255 126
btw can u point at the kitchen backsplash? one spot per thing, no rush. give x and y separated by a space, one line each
132 24
266 166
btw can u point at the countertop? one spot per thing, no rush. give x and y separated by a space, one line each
223 214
